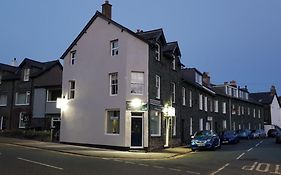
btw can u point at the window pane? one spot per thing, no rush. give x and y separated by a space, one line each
113 122
21 98
137 82
155 122
54 94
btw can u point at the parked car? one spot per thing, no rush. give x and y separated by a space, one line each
244 134
278 137
272 133
229 137
254 134
261 133
205 140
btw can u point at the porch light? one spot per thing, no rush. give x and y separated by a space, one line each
169 111
61 103
136 103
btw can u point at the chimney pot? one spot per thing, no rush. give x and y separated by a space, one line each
106 9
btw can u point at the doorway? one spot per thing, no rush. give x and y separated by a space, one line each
137 130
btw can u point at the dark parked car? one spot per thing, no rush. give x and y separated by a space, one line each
229 137
205 139
244 134
261 133
254 134
278 137
272 133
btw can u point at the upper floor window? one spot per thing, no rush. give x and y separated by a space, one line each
137 83
173 92
71 89
242 110
249 111
72 57
239 110
3 100
198 78
224 107
211 104
190 98
53 94
113 78
200 101
114 47
158 86
233 109
157 52
174 63
206 103
22 98
26 74
259 113
254 113
216 106
183 96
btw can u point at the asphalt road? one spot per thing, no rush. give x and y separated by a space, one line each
248 157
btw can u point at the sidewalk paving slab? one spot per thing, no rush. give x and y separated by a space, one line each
168 153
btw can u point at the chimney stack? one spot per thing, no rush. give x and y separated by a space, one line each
206 78
106 9
233 83
14 62
273 90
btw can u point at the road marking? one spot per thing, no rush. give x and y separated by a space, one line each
250 149
39 163
173 169
264 169
258 143
240 156
220 169
158 167
191 172
143 164
129 162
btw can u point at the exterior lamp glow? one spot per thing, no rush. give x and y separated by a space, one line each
61 103
169 111
136 103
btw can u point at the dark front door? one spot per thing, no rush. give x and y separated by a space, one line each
136 132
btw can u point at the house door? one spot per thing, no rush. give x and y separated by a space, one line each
137 131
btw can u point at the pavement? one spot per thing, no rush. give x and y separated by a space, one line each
168 153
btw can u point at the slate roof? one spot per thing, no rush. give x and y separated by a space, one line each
7 67
152 34
263 97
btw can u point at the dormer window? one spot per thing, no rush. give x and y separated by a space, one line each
114 47
157 52
72 57
198 78
174 63
26 74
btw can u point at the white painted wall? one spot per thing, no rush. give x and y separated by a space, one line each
84 119
275 112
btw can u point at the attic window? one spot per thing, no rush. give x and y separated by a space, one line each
73 57
26 74
157 52
114 47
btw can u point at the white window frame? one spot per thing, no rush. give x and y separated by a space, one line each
242 110
141 84
71 89
239 110
26 74
157 52
254 113
158 86
198 78
159 124
114 50
54 119
106 121
27 99
73 55
174 125
233 109
174 63
48 91
259 113
224 107
224 125
190 126
112 85
201 124
190 98
200 102
173 92
249 111
22 123
216 103
206 103
5 98
183 96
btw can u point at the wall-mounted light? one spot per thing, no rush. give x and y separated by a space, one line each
136 103
61 103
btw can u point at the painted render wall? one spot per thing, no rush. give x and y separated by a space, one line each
84 120
275 112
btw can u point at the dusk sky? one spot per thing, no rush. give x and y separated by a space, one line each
231 39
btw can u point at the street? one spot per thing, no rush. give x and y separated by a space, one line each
247 157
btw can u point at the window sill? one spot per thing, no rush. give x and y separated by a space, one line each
111 134
21 104
3 105
155 135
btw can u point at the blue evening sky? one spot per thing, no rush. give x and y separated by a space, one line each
231 39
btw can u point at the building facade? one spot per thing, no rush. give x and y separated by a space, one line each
26 91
